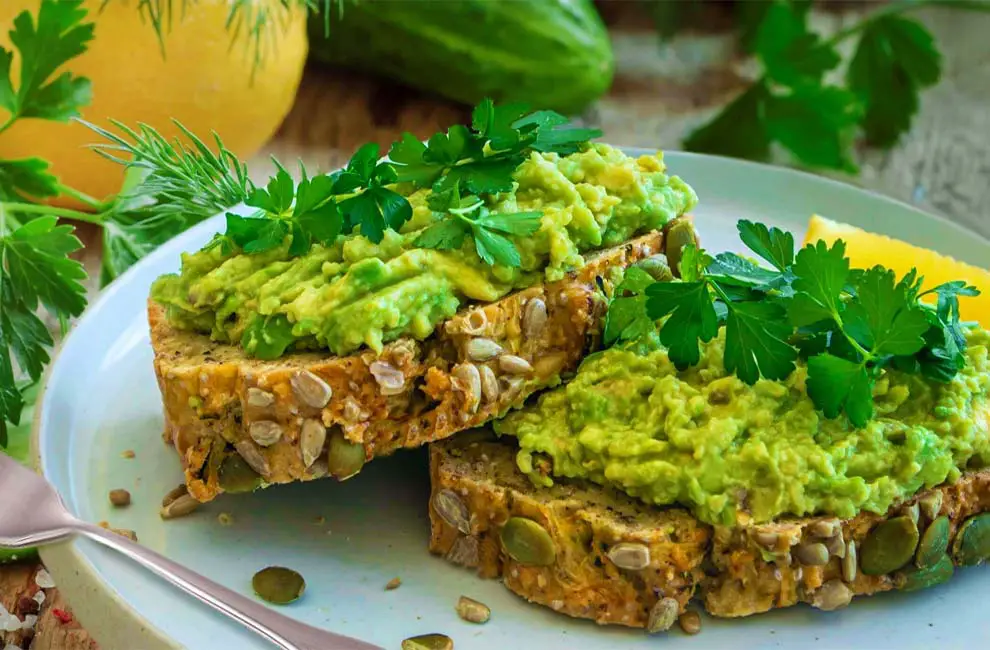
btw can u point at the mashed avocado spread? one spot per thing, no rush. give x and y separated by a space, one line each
705 439
357 293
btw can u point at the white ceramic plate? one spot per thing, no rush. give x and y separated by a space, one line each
350 539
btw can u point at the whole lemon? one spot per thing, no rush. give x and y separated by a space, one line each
208 75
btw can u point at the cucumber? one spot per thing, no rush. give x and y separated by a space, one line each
549 54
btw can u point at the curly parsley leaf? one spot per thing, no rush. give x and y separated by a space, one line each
44 46
896 57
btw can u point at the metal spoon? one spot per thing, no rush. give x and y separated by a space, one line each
31 514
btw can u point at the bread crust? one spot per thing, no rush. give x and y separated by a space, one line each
729 570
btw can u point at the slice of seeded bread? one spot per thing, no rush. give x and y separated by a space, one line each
238 422
616 560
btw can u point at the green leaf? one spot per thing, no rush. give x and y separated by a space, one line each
495 123
739 130
816 124
756 343
626 320
256 234
885 319
376 209
407 154
494 248
130 235
37 262
26 179
489 176
450 147
693 263
820 276
836 384
896 57
512 223
789 51
44 46
446 234
772 244
550 138
323 223
267 337
692 318
732 269
635 280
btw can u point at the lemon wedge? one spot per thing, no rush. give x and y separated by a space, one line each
866 249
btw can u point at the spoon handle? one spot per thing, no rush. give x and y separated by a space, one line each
280 630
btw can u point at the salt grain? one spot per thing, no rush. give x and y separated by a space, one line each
44 579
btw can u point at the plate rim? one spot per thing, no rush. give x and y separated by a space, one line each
111 620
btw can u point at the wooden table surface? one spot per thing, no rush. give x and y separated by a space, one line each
660 93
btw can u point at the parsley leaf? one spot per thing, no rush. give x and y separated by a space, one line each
26 179
816 123
447 234
376 209
772 244
836 384
692 318
626 319
820 277
849 324
896 57
789 51
44 46
738 131
756 342
885 318
512 223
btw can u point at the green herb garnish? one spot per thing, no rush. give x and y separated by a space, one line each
792 104
481 159
847 324
468 216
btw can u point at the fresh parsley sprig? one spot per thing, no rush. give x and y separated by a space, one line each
468 216
169 186
847 324
792 105
480 159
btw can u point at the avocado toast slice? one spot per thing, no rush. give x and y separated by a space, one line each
237 422
608 557
753 437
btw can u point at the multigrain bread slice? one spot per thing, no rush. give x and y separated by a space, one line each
305 415
616 560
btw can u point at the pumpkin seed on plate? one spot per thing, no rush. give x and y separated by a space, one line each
237 476
527 542
972 545
690 622
345 458
428 642
933 543
278 585
889 546
914 579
